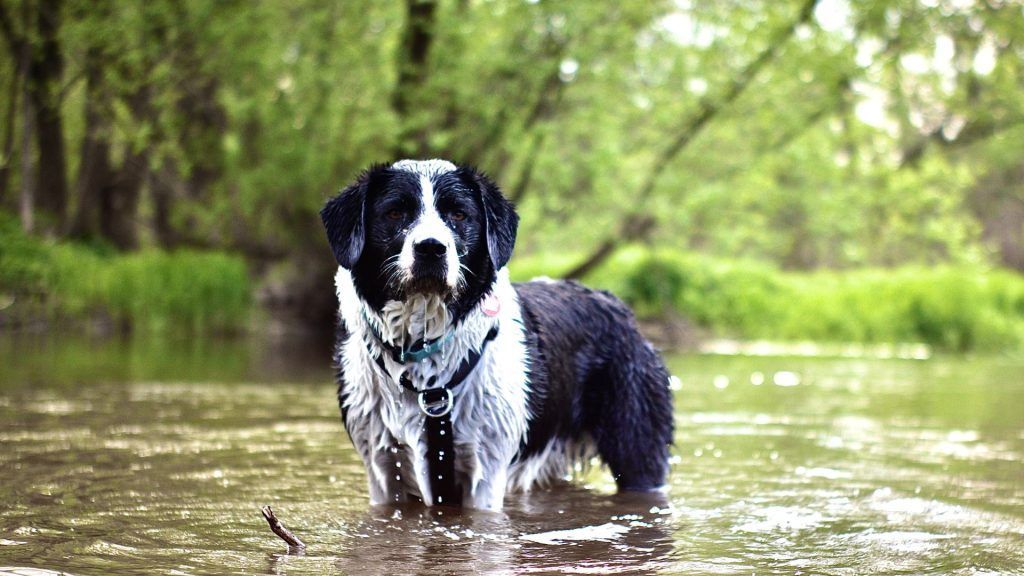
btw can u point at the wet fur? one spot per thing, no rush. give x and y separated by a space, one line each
568 376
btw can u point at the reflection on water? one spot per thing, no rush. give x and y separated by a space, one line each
155 458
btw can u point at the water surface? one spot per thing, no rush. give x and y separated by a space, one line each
155 458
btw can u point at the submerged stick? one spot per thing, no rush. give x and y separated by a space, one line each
291 539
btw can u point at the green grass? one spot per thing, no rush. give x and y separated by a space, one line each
150 290
951 308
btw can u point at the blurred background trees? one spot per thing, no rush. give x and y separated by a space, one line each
808 133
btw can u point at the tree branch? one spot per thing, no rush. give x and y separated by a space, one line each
63 92
635 227
785 138
526 172
547 103
971 133
708 111
294 544
548 97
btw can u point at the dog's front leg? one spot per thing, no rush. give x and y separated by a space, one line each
383 460
385 477
490 478
490 491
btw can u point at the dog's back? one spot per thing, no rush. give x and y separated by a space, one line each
594 377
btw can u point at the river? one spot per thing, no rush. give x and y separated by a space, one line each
155 456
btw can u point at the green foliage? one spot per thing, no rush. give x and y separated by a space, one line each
194 290
22 258
953 308
151 290
861 142
880 134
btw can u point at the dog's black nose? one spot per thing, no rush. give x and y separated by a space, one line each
431 248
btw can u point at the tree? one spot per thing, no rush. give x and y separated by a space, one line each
837 134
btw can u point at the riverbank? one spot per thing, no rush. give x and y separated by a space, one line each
682 299
960 308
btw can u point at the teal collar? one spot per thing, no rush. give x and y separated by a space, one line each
419 351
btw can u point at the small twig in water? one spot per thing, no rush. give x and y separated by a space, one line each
291 539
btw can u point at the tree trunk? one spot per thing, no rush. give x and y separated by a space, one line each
205 124
417 39
7 154
44 75
162 191
94 171
997 201
120 205
26 200
202 117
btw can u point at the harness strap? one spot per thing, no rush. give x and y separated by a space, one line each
441 459
436 402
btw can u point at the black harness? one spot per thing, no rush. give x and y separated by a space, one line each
436 402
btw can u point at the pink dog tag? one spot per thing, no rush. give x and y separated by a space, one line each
491 305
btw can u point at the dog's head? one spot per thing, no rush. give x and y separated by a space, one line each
421 227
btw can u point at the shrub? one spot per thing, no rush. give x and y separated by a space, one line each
23 260
151 290
197 291
953 308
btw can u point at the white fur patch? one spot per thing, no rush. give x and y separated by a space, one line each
490 416
428 223
433 167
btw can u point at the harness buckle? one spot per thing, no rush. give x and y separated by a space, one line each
436 406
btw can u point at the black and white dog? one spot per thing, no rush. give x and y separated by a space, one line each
524 379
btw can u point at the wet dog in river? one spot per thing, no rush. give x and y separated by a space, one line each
457 386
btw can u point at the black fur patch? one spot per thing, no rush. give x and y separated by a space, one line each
592 373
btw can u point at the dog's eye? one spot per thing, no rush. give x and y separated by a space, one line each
458 216
395 214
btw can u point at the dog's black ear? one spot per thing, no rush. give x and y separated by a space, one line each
501 219
343 217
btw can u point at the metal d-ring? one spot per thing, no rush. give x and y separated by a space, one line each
437 408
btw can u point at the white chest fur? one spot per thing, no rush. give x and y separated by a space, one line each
490 416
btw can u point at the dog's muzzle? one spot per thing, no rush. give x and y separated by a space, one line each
429 268
429 250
